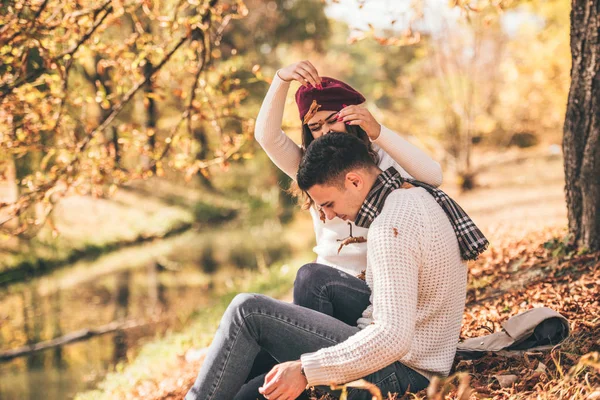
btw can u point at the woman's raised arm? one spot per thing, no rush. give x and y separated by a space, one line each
412 159
282 150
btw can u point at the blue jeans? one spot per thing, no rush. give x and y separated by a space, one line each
331 292
255 322
320 288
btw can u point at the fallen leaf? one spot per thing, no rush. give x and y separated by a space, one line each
314 108
594 396
541 367
432 389
361 384
464 363
506 380
464 388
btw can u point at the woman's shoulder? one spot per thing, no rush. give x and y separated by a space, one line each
386 161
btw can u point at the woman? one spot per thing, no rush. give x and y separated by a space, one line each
339 112
331 284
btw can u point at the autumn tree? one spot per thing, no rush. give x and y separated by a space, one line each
79 86
581 142
450 79
464 62
581 133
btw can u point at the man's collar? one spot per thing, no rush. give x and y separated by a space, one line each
388 181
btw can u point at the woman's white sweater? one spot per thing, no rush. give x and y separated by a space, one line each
393 150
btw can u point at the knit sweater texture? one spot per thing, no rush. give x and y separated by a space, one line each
392 149
418 289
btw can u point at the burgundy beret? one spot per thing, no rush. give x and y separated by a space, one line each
333 96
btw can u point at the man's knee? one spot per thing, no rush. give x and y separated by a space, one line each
241 305
246 301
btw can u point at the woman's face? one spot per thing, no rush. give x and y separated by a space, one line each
324 122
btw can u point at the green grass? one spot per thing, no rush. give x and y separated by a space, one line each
159 356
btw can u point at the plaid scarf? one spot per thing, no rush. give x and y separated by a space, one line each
471 240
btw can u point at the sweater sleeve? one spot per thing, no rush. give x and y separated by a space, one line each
414 160
394 261
282 150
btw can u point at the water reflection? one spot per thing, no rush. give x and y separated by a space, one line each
57 352
160 283
121 314
42 310
156 289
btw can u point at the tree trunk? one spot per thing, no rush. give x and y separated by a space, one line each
151 116
200 136
581 143
150 104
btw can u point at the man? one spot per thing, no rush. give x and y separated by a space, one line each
415 270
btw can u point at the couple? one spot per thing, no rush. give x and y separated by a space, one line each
399 326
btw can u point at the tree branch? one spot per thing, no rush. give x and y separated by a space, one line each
29 24
7 89
118 107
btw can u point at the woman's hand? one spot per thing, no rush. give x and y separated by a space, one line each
303 72
357 115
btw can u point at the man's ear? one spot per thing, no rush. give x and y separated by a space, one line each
354 180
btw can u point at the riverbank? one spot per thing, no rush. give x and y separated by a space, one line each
84 228
150 259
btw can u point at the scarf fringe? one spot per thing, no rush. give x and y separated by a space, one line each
475 253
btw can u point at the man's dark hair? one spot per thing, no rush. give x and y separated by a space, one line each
307 138
328 158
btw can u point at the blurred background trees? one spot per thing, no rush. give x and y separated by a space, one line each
488 76
80 86
96 96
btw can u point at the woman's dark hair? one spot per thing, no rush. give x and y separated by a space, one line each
307 138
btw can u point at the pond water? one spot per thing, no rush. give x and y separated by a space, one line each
160 291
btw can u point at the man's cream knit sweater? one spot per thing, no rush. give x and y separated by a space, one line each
418 283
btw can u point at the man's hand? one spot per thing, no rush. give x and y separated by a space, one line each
284 382
357 115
